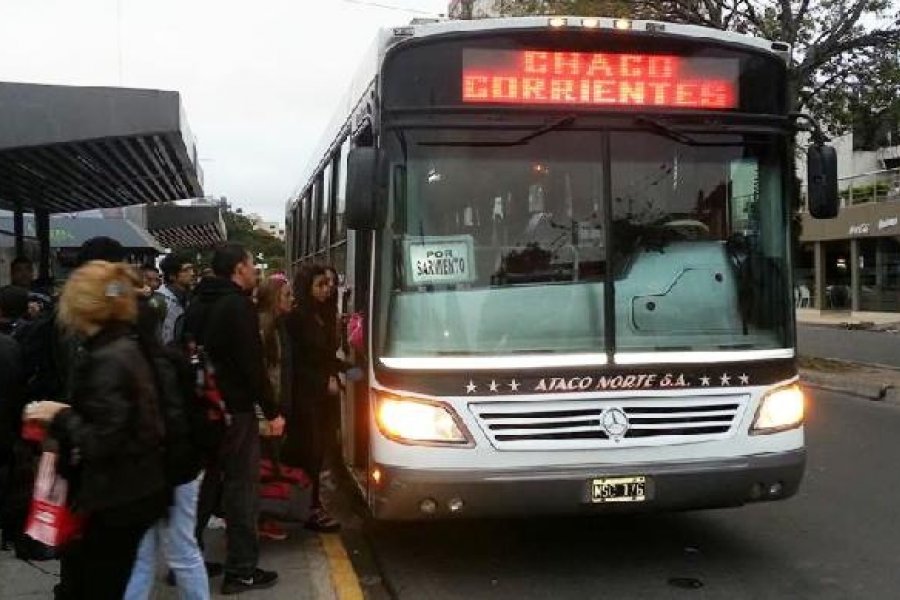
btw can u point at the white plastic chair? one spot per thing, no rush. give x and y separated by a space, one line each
805 297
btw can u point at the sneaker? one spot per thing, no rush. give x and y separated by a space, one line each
271 530
260 580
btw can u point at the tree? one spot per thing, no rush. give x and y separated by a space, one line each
873 105
835 43
606 8
242 231
844 52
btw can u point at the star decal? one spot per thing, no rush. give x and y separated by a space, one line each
471 387
494 386
745 379
725 379
704 381
514 385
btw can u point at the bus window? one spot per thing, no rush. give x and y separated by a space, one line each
304 224
493 237
702 265
289 236
340 233
315 207
335 166
324 217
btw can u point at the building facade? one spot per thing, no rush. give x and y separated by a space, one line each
273 228
852 262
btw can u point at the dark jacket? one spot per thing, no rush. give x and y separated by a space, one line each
11 396
313 352
47 357
223 319
111 439
314 362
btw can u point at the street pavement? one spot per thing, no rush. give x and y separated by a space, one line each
301 562
873 347
838 538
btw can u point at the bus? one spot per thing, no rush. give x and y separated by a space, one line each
568 242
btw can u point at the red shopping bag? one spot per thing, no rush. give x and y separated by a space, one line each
356 332
50 521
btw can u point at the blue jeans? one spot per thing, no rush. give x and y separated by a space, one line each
176 535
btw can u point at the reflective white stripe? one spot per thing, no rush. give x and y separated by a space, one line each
488 363
722 356
537 361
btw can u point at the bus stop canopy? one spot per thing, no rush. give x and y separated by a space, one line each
186 227
67 149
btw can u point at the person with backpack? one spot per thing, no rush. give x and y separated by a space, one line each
222 321
10 416
110 433
182 419
18 455
178 275
47 351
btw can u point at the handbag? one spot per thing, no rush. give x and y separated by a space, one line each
50 520
356 332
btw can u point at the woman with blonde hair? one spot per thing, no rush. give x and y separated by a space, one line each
274 300
110 434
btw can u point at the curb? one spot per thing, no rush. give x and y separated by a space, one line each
875 392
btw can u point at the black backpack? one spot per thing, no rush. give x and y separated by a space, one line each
47 354
183 419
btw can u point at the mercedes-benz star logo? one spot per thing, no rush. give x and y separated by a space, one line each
615 422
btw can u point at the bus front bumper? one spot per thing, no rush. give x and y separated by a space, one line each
408 494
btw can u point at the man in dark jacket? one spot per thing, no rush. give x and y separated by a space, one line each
10 422
223 320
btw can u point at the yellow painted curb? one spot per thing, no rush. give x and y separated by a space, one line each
343 577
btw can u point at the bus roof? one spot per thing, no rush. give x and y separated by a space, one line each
423 29
389 37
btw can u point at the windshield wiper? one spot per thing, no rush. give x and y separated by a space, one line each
554 125
665 131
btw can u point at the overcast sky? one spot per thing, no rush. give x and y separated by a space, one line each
258 79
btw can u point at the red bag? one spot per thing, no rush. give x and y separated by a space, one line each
356 332
34 431
50 521
271 472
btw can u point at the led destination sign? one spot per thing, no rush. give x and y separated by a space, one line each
599 79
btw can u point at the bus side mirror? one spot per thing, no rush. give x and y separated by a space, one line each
821 177
365 189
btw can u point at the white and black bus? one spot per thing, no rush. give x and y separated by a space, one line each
569 240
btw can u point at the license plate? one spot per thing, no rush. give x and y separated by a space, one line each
619 489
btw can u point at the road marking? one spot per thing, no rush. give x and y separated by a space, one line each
343 577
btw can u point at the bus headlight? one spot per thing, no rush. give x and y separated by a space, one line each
780 410
414 421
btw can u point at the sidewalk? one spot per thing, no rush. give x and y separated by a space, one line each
813 316
301 562
865 381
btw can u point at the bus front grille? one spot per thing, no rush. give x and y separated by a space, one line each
621 422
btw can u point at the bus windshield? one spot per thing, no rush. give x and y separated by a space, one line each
505 242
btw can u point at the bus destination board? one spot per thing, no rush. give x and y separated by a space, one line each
599 79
